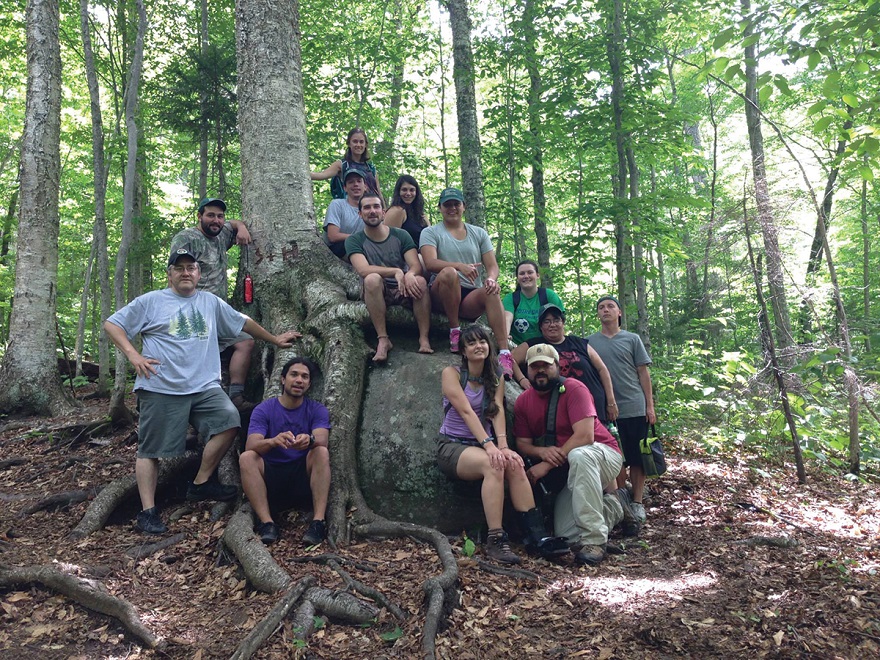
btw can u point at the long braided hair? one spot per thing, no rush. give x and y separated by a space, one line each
490 366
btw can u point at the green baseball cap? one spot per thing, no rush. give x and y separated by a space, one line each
450 194
210 201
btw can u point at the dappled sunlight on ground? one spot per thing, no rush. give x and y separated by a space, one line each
635 594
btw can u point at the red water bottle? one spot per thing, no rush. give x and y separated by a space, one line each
248 288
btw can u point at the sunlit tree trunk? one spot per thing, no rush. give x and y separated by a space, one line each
466 106
769 231
118 411
29 380
100 174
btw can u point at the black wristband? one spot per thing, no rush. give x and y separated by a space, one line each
311 441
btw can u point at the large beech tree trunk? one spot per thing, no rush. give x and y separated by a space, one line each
298 282
29 380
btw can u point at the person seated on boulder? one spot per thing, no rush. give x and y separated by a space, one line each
407 210
286 462
522 306
472 444
577 359
459 254
387 260
575 456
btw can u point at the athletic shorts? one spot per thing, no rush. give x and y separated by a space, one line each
164 419
226 342
287 485
449 450
632 431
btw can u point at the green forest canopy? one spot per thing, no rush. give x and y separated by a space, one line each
557 93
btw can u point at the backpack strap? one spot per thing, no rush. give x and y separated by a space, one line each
552 407
542 296
517 296
462 379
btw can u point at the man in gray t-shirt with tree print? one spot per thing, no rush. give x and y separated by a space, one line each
178 379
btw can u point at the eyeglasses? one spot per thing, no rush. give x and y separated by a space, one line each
189 268
552 321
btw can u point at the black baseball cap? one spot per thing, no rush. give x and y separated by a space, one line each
210 201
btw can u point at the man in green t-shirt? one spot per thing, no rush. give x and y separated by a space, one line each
388 261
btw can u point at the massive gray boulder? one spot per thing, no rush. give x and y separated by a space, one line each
402 412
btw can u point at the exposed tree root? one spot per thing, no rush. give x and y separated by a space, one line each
265 628
342 561
259 566
141 550
440 591
304 620
369 592
342 606
12 462
228 473
58 501
118 491
88 593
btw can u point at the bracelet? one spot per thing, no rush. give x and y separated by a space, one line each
521 380
486 441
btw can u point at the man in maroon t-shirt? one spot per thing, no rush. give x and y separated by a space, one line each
580 464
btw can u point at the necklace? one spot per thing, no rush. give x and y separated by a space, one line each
474 379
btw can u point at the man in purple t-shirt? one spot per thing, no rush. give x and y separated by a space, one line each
286 462
580 462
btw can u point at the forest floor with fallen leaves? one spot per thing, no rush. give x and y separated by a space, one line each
698 583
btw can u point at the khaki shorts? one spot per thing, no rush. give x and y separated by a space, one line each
393 296
449 451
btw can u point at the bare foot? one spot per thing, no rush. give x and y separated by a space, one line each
425 346
382 349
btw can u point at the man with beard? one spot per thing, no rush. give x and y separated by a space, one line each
286 462
178 379
388 261
576 457
209 241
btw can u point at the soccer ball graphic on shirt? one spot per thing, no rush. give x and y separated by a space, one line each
521 326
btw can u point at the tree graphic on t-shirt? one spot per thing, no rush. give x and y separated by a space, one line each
182 330
197 324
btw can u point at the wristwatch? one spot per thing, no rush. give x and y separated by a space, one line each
311 441
486 442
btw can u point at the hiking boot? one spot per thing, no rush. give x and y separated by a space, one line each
211 490
316 533
590 555
506 362
535 540
498 548
268 532
149 522
630 525
638 510
242 404
454 338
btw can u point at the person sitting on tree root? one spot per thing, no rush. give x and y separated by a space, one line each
387 260
576 456
473 404
456 252
286 462
209 241
342 218
178 379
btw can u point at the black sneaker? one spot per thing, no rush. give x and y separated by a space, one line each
149 522
316 533
211 490
268 532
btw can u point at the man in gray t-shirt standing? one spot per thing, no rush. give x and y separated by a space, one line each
459 254
387 260
178 379
627 360
208 242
